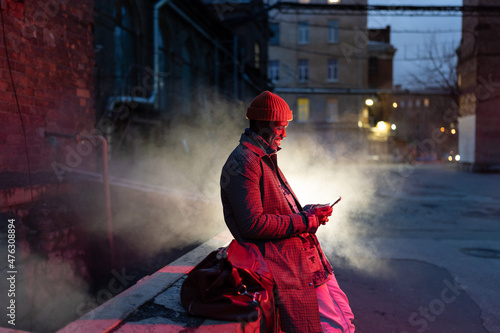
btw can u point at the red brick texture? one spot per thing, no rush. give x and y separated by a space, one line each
50 46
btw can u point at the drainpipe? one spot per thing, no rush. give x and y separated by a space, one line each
109 222
152 100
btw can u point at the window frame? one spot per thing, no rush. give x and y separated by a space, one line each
332 73
303 106
273 71
333 31
332 117
275 30
303 70
303 33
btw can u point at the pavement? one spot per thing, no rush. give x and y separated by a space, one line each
423 257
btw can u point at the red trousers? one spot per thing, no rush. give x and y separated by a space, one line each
334 311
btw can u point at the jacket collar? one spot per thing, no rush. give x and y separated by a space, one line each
256 143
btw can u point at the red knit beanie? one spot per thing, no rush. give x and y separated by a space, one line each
269 107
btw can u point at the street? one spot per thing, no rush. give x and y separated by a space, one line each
422 254
414 247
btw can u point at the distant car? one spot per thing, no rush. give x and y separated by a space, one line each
452 157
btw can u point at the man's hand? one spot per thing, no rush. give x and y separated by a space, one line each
321 214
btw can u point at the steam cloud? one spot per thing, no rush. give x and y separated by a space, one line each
170 197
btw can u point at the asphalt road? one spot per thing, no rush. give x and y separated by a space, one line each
420 252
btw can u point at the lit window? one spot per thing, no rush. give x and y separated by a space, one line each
303 33
332 110
304 1
303 70
303 107
426 102
333 31
274 70
333 70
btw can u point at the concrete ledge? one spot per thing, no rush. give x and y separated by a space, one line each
108 316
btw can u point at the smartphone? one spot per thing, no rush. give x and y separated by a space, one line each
335 202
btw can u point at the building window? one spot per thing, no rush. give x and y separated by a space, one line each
275 34
274 71
303 106
417 103
124 47
373 66
304 1
410 103
257 55
426 102
332 110
303 33
333 70
303 70
333 31
402 103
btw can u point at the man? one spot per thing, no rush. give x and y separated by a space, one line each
261 208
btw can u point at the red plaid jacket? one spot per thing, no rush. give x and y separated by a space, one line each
256 210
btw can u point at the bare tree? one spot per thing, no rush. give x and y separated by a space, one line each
437 68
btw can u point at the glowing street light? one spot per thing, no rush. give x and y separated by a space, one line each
394 105
369 101
393 127
453 131
382 126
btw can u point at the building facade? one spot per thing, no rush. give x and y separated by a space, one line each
326 65
479 81
172 62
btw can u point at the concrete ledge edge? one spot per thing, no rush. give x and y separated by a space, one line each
111 314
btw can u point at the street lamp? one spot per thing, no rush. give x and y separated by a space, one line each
369 102
382 126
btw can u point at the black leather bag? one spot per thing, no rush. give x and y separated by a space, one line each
233 283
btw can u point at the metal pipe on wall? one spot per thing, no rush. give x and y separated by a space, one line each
109 221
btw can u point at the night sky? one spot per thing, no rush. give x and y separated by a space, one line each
411 35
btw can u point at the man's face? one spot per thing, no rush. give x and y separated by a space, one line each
274 133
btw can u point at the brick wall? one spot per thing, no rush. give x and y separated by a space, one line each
50 46
51 54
